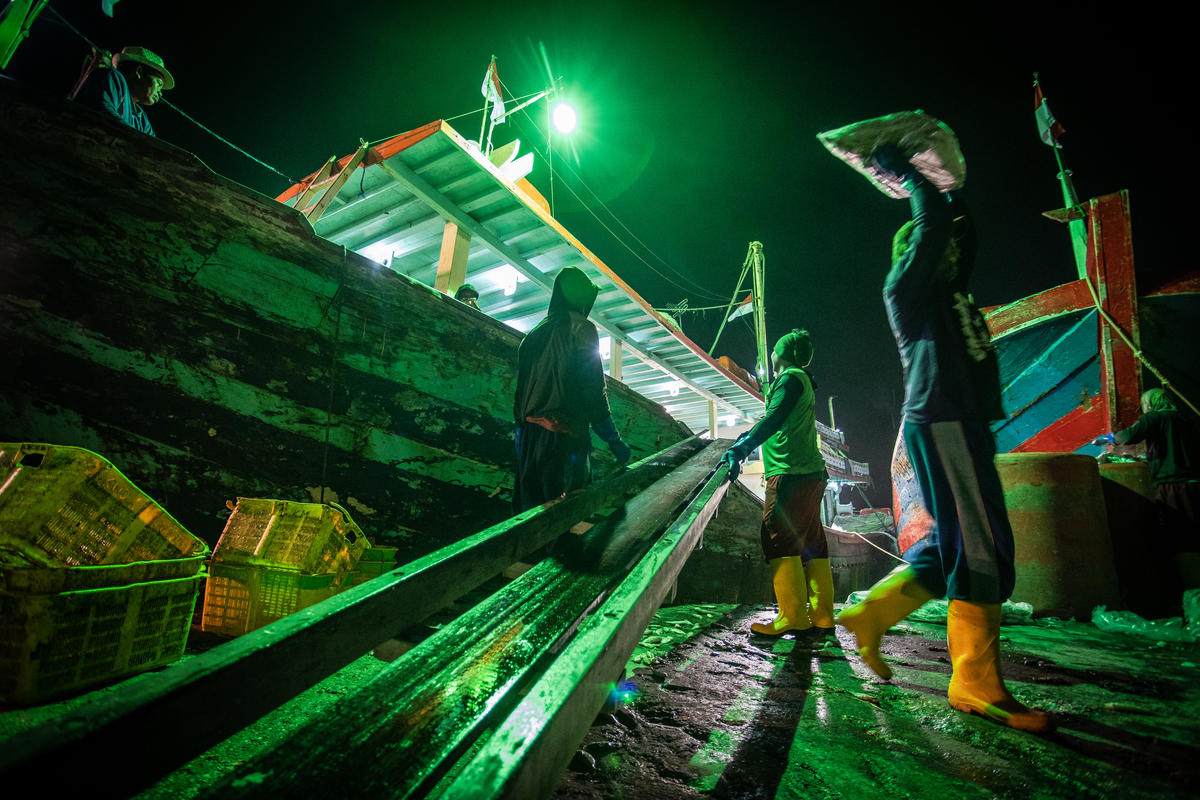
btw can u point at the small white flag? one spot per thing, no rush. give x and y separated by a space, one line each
491 91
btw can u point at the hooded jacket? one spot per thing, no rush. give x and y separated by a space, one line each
560 378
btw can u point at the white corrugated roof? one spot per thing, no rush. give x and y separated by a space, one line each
395 208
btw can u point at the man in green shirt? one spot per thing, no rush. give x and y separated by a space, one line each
793 539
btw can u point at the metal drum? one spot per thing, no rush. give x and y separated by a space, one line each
1064 557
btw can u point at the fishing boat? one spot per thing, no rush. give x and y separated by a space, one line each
214 343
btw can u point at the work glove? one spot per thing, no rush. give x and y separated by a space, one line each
734 463
607 431
620 451
734 457
1105 439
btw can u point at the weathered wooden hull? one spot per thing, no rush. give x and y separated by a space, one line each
203 339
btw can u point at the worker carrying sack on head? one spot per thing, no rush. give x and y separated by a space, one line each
952 391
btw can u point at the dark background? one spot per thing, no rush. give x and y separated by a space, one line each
697 132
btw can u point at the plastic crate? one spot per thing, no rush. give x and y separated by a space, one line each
240 599
66 506
311 538
97 581
375 562
60 643
276 557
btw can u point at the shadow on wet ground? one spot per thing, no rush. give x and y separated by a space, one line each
720 713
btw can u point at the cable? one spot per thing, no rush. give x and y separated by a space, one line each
222 139
888 553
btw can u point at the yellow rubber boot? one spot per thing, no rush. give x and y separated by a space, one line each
976 685
791 593
820 593
888 602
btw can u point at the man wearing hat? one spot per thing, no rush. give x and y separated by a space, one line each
793 539
467 294
138 78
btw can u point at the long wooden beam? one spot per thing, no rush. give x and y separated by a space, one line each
525 757
257 672
412 722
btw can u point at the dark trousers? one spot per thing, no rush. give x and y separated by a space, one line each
549 465
968 554
791 524
1178 507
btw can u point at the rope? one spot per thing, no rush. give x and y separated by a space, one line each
108 59
888 553
225 141
1112 323
333 357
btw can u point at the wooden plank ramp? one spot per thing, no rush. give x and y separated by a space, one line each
416 719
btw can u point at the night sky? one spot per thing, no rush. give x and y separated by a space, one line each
697 131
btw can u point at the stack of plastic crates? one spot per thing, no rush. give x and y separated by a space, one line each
97 581
276 557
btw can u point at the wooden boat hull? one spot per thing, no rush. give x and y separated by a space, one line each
202 338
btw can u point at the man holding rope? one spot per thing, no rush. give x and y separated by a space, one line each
138 78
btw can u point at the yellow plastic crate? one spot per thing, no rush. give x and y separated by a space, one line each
97 581
67 506
61 643
276 557
240 599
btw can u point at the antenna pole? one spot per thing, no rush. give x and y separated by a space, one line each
758 269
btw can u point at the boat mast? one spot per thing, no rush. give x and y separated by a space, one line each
1074 215
758 270
16 19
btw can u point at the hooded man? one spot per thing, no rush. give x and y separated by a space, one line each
561 397
793 539
951 392
138 78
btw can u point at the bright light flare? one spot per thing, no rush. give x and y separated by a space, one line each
564 118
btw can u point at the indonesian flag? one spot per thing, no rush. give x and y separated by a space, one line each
491 91
1048 127
742 309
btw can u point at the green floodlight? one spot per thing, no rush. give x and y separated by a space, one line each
564 118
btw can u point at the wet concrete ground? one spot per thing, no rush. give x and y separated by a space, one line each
710 711
719 713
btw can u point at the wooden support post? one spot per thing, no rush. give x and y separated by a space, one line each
334 185
713 420
452 261
616 354
1110 268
